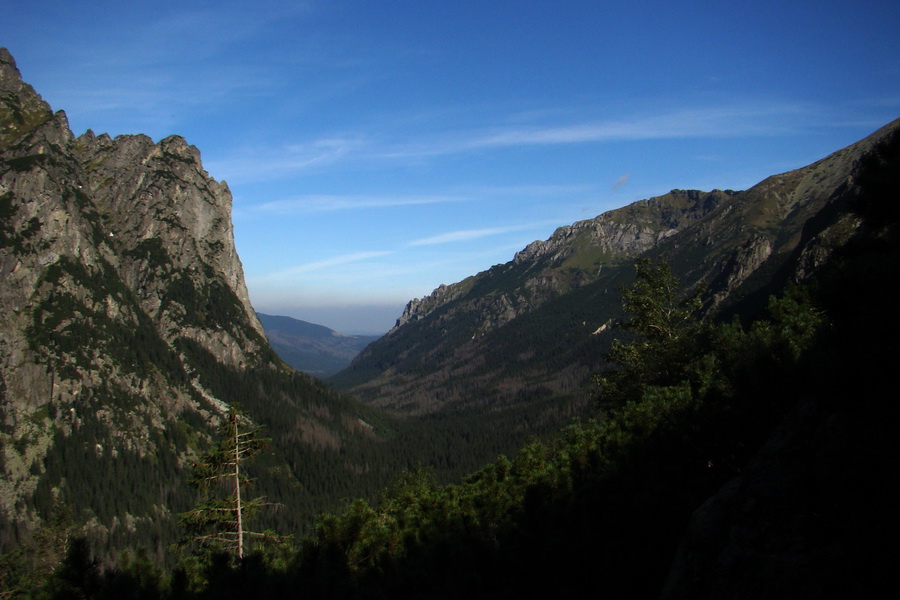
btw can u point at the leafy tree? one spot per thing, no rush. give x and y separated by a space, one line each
217 522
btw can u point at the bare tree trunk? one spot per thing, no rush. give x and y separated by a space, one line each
237 490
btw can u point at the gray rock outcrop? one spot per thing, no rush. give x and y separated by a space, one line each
114 254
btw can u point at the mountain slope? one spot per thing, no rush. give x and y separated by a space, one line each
311 348
536 328
127 333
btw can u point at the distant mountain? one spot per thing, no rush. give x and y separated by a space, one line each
310 348
525 337
126 334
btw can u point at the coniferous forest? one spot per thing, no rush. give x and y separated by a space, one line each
751 457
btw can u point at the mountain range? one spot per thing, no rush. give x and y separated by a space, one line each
534 330
127 336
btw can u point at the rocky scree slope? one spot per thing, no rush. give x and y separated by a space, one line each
126 330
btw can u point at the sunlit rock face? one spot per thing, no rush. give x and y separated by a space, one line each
115 256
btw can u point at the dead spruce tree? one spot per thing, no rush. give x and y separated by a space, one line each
217 522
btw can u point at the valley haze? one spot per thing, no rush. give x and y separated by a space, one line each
378 150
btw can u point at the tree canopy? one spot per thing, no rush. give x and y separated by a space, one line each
662 334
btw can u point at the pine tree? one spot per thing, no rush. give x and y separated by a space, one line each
218 522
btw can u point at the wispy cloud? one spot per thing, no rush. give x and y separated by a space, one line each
372 145
158 90
328 202
472 234
176 64
314 203
622 181
327 263
718 121
528 190
689 123
251 165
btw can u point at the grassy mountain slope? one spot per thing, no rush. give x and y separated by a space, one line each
517 344
510 316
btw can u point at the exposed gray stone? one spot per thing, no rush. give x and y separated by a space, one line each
124 230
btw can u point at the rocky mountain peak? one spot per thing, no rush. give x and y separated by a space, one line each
418 308
10 77
630 230
21 108
116 255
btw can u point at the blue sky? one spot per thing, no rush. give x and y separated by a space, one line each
378 149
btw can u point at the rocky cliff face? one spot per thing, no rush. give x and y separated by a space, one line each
113 252
125 327
628 231
170 224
